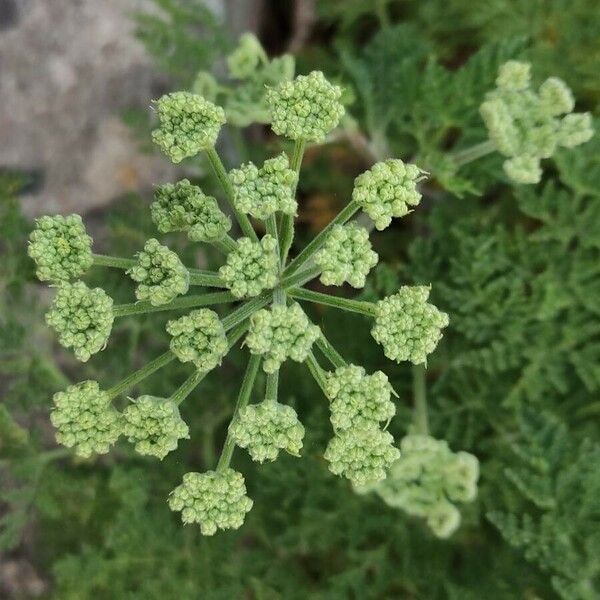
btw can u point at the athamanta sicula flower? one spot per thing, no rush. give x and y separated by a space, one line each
182 206
85 419
407 326
82 317
188 124
214 500
160 275
60 247
154 425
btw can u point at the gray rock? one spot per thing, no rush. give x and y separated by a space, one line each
69 69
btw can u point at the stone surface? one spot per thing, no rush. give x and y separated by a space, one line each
69 70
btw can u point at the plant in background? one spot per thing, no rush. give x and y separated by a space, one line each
259 273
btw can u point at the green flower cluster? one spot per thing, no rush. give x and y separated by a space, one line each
60 247
154 425
358 399
427 479
280 333
160 274
252 267
188 125
307 108
85 419
266 428
258 273
265 191
526 126
246 57
388 190
407 326
182 206
214 500
361 454
198 337
346 256
82 317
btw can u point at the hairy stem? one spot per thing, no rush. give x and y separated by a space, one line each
315 244
188 386
287 221
205 278
420 418
195 301
358 306
299 278
332 355
101 260
463 157
242 401
223 177
242 312
316 371
141 374
272 387
226 244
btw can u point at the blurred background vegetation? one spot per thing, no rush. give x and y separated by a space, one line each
515 380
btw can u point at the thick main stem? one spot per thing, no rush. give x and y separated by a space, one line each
420 418
242 401
315 244
223 177
287 221
195 301
358 306
141 374
463 157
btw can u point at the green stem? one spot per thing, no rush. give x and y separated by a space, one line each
101 260
226 244
358 306
242 401
315 244
382 14
138 308
188 386
420 400
197 376
197 276
241 313
463 157
205 278
287 221
299 278
334 357
316 371
223 177
272 387
140 374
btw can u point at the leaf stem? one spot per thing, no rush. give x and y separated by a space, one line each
316 371
242 312
463 157
272 387
358 306
194 301
102 260
287 221
315 244
334 357
242 401
420 418
223 177
140 374
301 277
226 244
205 278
